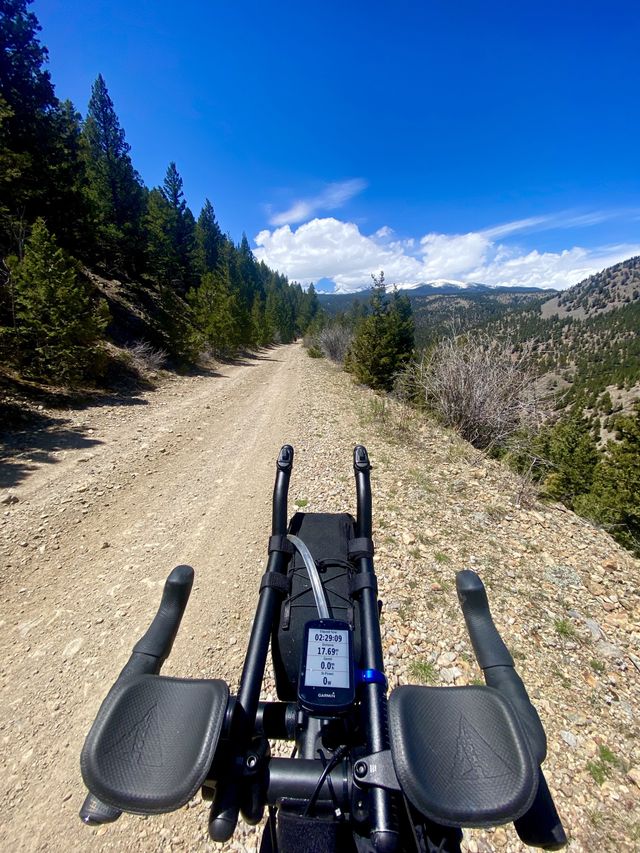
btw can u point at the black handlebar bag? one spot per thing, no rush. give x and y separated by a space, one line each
327 536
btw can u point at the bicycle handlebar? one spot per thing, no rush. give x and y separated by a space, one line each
494 657
157 641
249 721
541 825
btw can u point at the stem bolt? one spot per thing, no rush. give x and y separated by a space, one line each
360 769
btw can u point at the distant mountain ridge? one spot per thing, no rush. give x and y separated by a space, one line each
335 302
445 285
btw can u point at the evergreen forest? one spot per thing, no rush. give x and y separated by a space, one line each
92 260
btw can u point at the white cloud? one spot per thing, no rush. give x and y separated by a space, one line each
551 269
563 219
333 196
446 255
330 248
532 222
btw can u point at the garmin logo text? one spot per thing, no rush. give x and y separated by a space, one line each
326 695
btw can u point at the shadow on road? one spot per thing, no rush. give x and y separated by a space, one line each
249 359
41 441
29 438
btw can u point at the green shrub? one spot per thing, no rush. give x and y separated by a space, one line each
565 628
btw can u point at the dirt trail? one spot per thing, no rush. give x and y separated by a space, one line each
185 478
111 498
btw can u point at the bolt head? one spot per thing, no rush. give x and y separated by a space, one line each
360 769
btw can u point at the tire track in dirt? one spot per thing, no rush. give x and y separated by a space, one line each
186 478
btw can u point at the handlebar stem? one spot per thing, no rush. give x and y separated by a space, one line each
384 825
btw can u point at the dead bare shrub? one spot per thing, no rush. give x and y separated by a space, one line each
334 341
310 343
478 386
145 357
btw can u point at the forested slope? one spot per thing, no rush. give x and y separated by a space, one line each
89 254
586 339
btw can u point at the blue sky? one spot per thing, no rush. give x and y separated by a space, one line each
475 140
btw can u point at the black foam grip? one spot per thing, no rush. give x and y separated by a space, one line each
361 458
541 826
508 682
225 809
158 639
494 657
487 642
285 458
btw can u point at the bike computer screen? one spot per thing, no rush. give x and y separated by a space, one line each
327 683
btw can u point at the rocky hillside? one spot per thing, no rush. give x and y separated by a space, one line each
564 595
99 504
605 291
585 340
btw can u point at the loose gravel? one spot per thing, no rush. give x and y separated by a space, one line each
95 516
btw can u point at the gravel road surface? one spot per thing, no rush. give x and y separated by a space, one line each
100 503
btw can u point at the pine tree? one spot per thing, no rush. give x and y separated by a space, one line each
308 309
58 327
261 334
400 329
209 239
383 339
181 228
279 310
572 449
65 205
172 189
162 261
114 187
231 264
24 84
215 314
614 497
248 283
40 169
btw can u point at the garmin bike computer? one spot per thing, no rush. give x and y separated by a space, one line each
327 680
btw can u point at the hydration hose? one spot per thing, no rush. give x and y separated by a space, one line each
314 576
